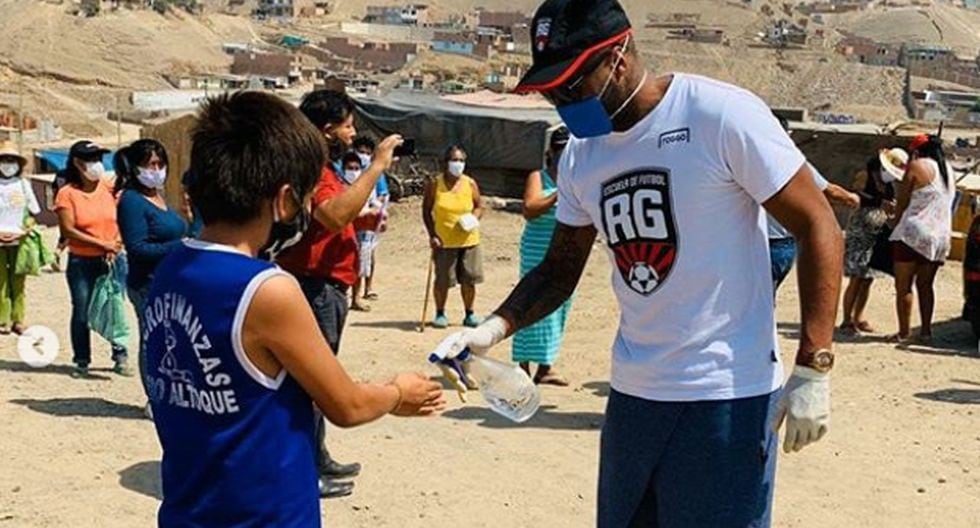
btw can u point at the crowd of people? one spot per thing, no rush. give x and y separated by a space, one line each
242 296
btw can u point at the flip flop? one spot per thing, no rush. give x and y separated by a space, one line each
865 326
371 296
551 379
360 308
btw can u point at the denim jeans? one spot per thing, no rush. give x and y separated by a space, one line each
687 464
138 298
82 273
782 253
329 304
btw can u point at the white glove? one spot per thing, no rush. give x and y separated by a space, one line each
805 404
477 340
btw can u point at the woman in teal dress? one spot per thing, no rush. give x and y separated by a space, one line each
540 342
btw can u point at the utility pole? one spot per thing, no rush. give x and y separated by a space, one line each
118 124
20 121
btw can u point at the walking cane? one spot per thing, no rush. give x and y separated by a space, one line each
428 292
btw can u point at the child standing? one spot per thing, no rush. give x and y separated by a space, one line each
235 359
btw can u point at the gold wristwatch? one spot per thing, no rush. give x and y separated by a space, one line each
821 360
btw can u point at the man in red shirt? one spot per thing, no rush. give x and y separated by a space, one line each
325 260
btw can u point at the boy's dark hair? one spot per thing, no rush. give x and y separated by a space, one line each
128 160
364 141
350 157
326 107
246 146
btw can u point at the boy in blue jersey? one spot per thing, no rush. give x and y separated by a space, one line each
235 359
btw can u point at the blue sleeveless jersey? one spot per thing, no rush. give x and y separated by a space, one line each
238 446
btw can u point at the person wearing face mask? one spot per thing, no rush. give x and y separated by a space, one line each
150 230
540 342
325 259
364 146
451 210
877 194
17 204
676 172
238 364
86 208
366 227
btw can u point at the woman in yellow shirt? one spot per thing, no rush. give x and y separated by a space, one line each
451 211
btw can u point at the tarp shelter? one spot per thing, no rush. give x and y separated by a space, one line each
503 143
53 160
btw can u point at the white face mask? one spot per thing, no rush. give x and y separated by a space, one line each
94 170
365 160
456 168
154 179
9 170
351 175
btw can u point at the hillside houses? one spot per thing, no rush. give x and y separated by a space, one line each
274 70
406 15
342 54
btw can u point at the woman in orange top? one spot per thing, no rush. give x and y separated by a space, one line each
86 211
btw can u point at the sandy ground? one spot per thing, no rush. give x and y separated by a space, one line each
904 450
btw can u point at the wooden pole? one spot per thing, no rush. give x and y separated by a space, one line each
428 293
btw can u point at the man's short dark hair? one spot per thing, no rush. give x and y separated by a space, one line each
326 107
364 141
246 147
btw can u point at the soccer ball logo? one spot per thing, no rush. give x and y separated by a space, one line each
643 278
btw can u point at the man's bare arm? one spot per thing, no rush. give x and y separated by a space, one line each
800 208
549 285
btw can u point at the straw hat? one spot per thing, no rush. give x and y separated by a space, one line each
7 150
894 162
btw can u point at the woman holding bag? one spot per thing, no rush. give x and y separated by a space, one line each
86 211
451 211
17 203
864 230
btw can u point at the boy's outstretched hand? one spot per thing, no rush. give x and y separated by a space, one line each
420 396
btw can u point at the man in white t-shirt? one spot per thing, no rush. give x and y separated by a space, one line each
673 172
782 245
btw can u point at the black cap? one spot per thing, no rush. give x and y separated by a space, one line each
87 149
565 34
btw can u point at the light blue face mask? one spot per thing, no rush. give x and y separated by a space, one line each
588 118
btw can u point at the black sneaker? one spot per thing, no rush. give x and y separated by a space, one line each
333 489
80 371
336 470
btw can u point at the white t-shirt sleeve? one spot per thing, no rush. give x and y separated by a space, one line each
759 153
570 210
32 204
818 178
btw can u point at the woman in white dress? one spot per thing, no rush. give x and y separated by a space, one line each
921 240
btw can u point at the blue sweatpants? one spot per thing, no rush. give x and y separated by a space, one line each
705 464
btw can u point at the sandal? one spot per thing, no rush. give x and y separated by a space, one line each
551 379
371 296
849 330
865 326
360 308
899 341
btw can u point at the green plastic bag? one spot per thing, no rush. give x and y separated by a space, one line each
33 254
107 309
